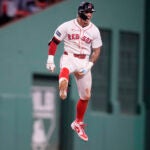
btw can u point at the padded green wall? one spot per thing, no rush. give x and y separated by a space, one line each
23 48
147 74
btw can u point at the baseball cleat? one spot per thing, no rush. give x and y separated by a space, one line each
63 85
78 127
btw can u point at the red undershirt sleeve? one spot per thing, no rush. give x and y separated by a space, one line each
52 46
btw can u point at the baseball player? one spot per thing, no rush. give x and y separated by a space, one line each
82 44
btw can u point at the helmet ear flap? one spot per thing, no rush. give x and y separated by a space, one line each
83 16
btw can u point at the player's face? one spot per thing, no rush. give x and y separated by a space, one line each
89 16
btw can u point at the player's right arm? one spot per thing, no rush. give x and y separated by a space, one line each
51 52
59 35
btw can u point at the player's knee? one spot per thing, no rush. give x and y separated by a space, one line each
87 94
87 97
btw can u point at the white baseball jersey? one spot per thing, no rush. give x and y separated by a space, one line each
78 40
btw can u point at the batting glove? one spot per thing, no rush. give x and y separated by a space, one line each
50 63
83 71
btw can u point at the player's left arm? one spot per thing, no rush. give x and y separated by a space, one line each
96 49
93 58
95 55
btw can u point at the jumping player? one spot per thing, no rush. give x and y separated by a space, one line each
82 44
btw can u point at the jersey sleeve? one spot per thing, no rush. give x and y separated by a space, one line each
61 32
97 41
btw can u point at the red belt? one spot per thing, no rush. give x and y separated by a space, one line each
80 56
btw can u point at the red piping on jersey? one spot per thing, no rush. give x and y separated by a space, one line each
80 34
83 33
